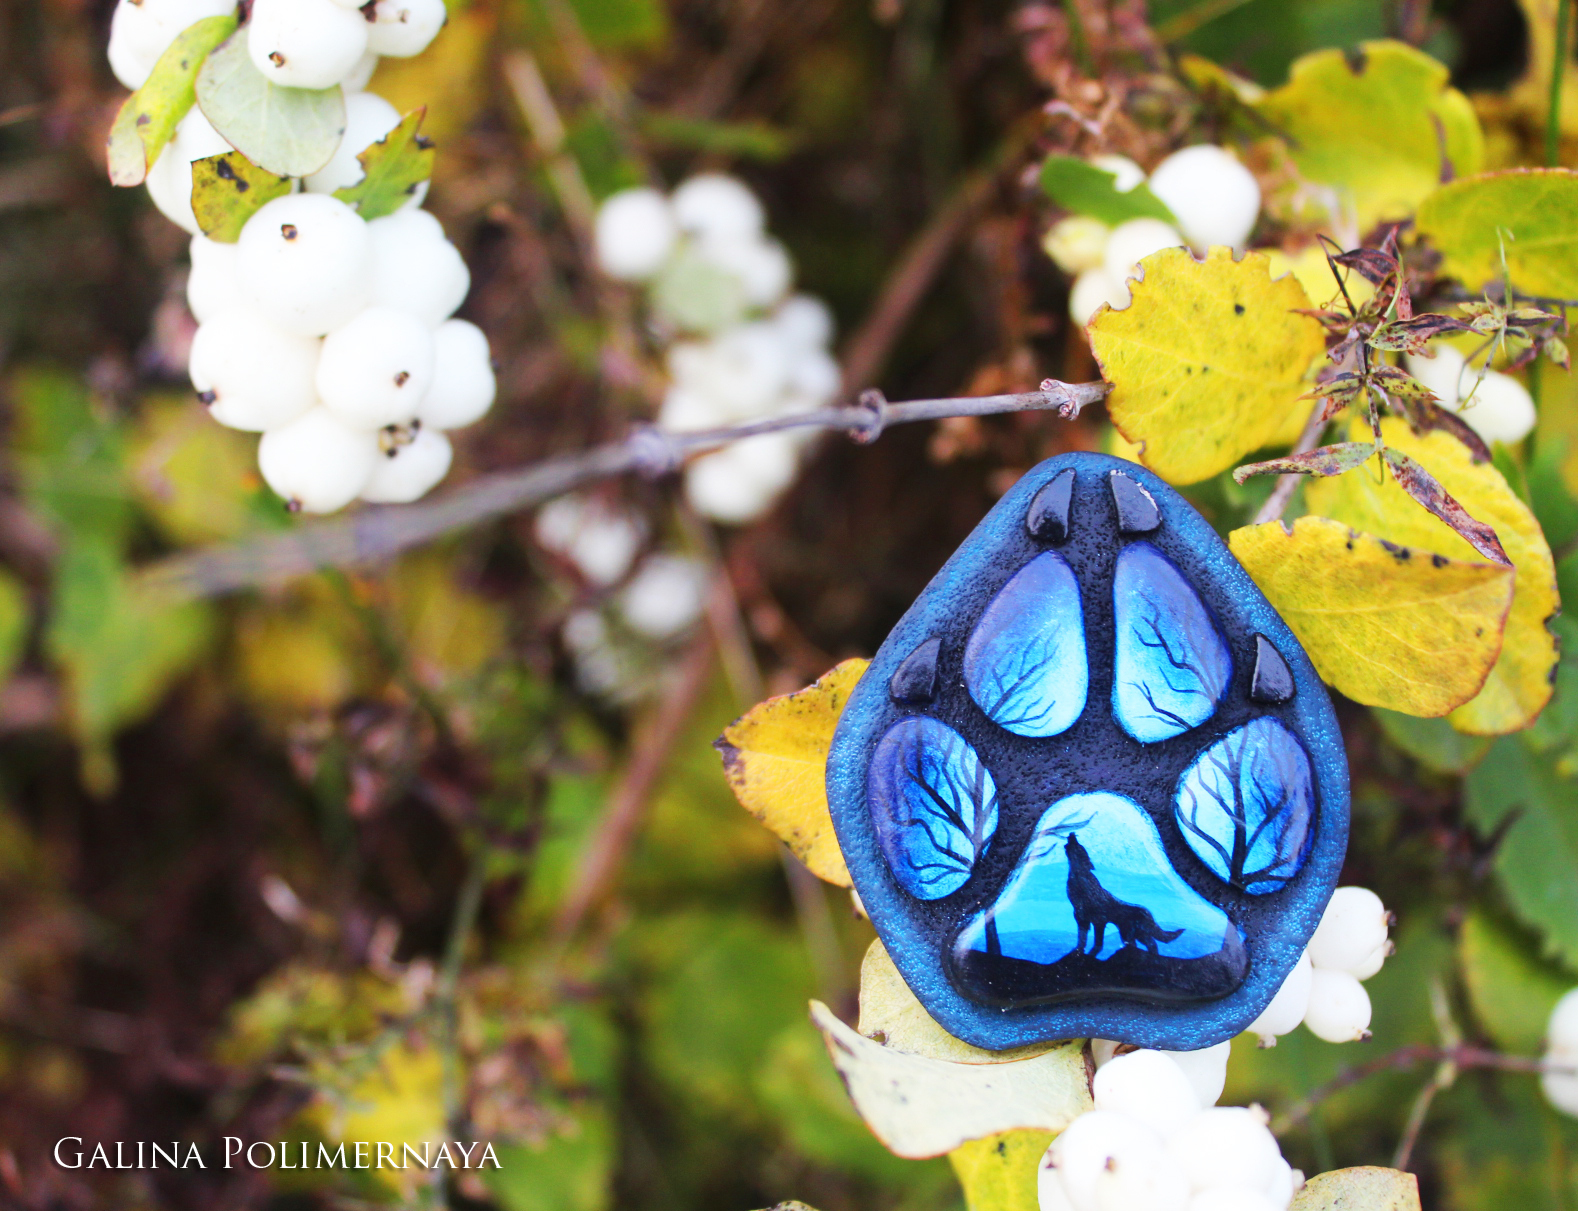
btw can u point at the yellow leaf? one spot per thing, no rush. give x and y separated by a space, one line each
1374 127
775 758
1384 625
1000 1172
890 1015
450 78
920 1107
400 1101
1366 1188
1528 214
1206 361
1520 684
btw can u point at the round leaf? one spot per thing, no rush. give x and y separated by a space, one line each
288 131
1531 214
1206 361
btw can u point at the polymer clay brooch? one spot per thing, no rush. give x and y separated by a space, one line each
1090 785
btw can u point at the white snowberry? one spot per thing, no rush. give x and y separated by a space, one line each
1131 1182
360 75
1228 1146
170 179
1374 961
1287 1008
402 28
1148 1085
1561 1031
317 463
375 370
142 30
739 483
306 260
715 206
1128 174
1499 409
1206 1070
685 411
214 284
664 596
251 374
415 269
1354 924
759 263
805 321
306 43
1214 198
1094 1141
1077 243
408 471
1051 1192
463 383
743 370
1233 1198
599 540
1132 242
814 378
634 235
1560 1085
368 118
1339 1008
1091 290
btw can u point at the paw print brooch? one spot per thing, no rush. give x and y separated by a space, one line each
1091 786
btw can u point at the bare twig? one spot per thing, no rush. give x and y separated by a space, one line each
868 348
1443 1079
378 533
548 134
1277 503
627 804
1407 1057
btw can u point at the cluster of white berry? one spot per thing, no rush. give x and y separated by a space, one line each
738 349
1214 198
1561 1053
1323 991
1157 1141
328 334
646 601
1495 405
294 43
331 336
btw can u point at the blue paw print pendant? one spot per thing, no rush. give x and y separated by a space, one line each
1090 784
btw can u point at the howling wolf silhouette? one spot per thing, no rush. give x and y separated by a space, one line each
1095 908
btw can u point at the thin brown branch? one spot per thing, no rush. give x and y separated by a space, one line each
627 804
377 533
868 349
1277 503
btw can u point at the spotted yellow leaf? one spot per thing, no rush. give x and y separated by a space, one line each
1000 1172
1375 126
775 758
890 1015
1206 361
1519 685
1366 1188
1529 216
1384 624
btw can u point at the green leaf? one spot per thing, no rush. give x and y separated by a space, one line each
1434 743
227 190
1374 127
571 1170
392 168
14 618
1000 1173
1367 1188
1082 188
1531 213
118 644
148 118
69 455
1536 862
747 140
289 131
1207 361
1512 991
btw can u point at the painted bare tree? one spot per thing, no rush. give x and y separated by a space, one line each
1247 806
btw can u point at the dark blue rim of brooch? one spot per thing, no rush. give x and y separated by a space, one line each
1088 517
